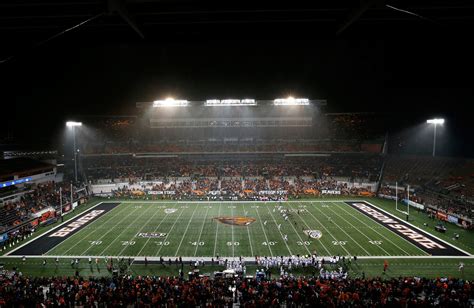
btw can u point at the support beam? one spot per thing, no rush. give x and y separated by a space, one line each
118 6
356 14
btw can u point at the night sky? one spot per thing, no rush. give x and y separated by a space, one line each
410 75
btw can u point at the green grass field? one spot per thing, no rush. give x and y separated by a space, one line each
192 230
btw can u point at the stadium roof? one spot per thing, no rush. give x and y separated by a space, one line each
26 23
15 166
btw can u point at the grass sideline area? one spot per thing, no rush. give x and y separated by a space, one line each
433 268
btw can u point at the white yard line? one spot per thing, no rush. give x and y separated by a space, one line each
217 230
86 234
156 229
232 226
388 240
144 225
169 232
58 226
355 242
357 229
246 258
186 231
449 244
309 228
250 240
330 233
264 232
302 241
276 224
200 233
118 236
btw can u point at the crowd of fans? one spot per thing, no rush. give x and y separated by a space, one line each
257 188
330 132
17 218
271 146
126 168
432 200
33 199
144 291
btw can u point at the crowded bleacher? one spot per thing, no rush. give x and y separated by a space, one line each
17 290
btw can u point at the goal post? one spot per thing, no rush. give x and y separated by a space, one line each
407 212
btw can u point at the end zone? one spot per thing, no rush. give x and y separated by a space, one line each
55 236
422 239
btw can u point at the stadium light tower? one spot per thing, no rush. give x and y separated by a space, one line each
435 122
73 125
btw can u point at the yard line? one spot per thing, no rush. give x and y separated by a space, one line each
309 228
156 229
264 232
186 231
330 233
202 228
89 227
169 232
288 247
232 226
217 229
144 225
302 241
248 232
356 242
408 254
356 228
118 236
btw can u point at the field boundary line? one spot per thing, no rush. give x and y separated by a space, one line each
82 238
365 235
342 207
423 231
58 226
246 258
343 231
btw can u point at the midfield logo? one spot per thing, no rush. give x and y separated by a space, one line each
235 220
316 234
170 211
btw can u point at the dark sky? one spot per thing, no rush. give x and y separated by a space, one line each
411 76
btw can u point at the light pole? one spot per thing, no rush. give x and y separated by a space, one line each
73 125
435 122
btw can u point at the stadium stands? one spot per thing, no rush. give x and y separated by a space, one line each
443 184
143 291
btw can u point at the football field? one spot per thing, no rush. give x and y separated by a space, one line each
226 229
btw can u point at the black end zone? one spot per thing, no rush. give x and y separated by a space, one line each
46 242
419 238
